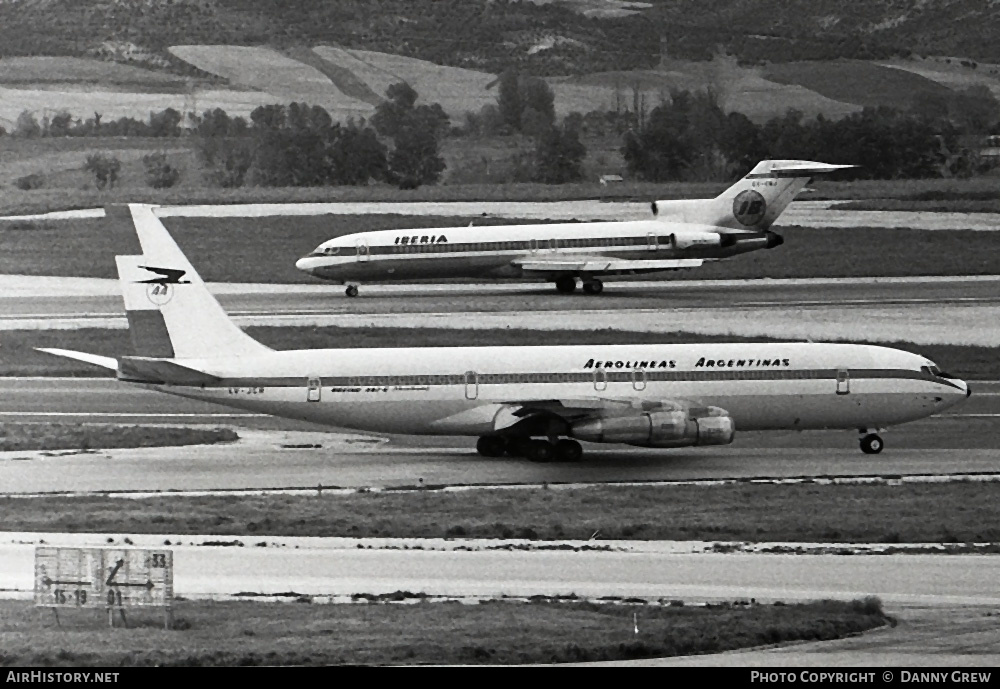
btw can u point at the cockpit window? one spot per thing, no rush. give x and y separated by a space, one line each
935 371
331 250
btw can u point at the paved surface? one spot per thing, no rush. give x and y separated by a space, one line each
922 310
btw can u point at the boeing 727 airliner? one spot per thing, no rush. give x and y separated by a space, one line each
682 234
534 402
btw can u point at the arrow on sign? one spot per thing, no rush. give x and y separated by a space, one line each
114 571
147 585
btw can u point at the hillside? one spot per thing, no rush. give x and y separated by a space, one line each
558 37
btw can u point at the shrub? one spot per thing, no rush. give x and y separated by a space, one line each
105 168
29 182
159 173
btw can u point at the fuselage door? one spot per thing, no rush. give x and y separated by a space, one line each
843 381
553 244
471 385
639 378
363 254
533 245
651 241
314 389
600 379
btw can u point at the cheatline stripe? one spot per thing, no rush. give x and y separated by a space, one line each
127 414
597 376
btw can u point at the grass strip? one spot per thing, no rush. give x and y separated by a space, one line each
955 512
18 202
86 436
20 358
492 632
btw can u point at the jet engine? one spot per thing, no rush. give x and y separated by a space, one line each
660 429
688 240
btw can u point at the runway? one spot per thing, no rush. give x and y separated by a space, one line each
922 310
281 454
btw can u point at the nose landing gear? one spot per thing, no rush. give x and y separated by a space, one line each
871 444
351 291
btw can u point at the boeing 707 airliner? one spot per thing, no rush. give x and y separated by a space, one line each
682 234
536 402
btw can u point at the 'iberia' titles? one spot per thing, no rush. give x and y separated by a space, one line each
422 239
618 363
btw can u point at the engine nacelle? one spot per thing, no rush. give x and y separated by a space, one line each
660 429
689 240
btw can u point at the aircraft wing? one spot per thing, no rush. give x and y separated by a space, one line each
594 265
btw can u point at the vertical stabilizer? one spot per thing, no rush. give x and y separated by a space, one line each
171 313
754 202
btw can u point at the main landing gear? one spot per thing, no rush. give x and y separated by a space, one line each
871 443
567 285
564 450
351 291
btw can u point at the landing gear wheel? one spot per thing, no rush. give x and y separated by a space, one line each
491 446
351 291
517 447
871 444
539 450
566 284
567 450
593 287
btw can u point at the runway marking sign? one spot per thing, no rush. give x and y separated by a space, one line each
103 577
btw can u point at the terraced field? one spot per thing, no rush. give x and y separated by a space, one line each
855 81
271 72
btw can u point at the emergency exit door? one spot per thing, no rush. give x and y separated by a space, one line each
843 381
314 389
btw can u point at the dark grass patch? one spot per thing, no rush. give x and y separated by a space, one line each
973 202
265 249
19 357
86 436
959 512
498 632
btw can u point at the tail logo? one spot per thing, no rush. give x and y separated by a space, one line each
749 207
160 291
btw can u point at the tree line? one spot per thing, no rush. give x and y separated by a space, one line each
687 137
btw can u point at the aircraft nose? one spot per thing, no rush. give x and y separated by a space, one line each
306 264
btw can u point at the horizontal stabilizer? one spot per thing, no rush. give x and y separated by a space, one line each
595 265
108 362
147 370
794 168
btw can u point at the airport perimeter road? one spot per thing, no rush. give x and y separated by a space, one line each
276 454
467 568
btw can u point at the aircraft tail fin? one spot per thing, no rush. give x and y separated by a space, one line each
754 202
171 314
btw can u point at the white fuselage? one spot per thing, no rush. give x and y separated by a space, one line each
467 390
495 251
